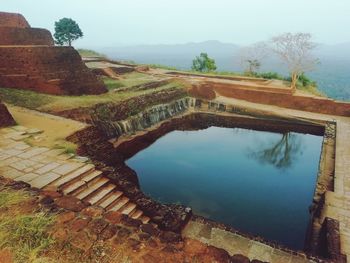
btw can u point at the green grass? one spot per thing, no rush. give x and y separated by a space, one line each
162 66
52 103
24 234
89 53
10 198
69 147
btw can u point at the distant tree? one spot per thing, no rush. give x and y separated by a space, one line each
295 50
66 31
203 63
252 56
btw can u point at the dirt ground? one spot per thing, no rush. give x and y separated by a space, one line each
55 129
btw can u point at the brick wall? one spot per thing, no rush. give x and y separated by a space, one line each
12 20
25 36
53 70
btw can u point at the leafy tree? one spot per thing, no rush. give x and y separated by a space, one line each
66 31
203 63
295 50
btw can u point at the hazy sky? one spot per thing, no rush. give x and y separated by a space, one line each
128 22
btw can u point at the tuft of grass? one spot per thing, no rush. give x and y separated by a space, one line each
69 147
10 198
24 234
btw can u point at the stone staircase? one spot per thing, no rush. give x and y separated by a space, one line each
54 170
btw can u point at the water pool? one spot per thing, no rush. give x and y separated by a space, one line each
258 182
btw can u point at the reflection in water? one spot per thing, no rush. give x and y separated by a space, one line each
282 153
211 171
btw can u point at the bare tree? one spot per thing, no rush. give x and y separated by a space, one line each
252 56
295 50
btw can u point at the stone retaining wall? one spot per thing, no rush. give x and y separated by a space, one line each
210 90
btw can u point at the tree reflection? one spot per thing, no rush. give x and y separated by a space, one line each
280 154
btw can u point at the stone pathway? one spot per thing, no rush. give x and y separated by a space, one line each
54 170
237 244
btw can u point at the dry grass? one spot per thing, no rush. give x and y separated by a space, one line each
21 232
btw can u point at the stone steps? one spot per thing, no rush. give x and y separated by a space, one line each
54 170
118 204
109 199
91 187
100 194
128 209
136 214
144 219
69 178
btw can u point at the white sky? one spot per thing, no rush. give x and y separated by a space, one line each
108 23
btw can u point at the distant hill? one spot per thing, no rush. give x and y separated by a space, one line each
179 55
332 75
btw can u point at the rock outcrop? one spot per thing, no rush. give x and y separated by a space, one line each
29 60
5 117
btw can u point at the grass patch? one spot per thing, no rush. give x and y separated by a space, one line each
52 103
112 84
69 147
313 90
24 234
161 66
89 53
25 98
10 198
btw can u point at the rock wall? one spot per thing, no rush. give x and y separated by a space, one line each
25 36
210 90
144 119
53 70
5 116
13 20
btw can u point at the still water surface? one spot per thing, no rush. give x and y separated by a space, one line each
258 182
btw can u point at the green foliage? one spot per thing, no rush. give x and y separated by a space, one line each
9 198
269 75
203 63
66 31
